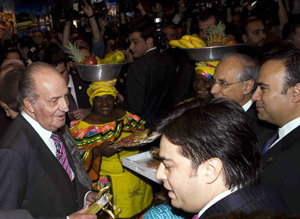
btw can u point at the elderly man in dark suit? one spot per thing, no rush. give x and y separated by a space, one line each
37 172
235 79
210 160
278 101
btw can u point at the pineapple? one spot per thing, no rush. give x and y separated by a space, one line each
74 53
216 35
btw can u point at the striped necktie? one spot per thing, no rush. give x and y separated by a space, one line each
61 154
270 142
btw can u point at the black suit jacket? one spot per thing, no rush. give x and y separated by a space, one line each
148 86
247 200
262 129
81 87
32 178
281 169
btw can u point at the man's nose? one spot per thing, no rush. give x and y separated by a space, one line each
215 89
64 104
257 94
160 174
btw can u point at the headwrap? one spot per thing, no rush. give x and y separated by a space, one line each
101 88
207 69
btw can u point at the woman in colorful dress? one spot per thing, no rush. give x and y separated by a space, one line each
97 139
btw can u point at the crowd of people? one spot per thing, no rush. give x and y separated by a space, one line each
229 130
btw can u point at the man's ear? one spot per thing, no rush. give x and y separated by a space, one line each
244 38
248 86
213 169
28 106
149 42
295 93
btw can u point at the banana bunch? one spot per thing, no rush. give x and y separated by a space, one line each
188 41
113 57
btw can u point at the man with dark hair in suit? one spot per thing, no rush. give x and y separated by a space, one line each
37 171
150 76
77 87
278 101
210 160
235 79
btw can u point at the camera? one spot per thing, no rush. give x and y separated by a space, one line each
159 37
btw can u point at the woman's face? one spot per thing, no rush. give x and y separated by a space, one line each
202 86
104 104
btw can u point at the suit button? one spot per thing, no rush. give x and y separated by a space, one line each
270 159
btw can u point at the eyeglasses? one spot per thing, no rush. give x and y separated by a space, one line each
224 84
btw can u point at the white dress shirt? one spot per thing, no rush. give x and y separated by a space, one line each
247 105
286 129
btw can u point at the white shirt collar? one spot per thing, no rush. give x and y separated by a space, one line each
247 105
286 129
216 199
43 133
149 50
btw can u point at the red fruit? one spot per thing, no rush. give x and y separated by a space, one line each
90 60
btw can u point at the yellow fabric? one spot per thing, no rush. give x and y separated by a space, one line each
130 192
101 88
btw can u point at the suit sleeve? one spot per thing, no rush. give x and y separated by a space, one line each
135 89
12 179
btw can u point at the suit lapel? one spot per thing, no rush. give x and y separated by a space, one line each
284 144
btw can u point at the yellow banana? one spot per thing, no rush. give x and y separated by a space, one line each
98 60
197 44
196 38
186 37
176 43
186 43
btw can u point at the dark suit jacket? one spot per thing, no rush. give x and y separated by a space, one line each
81 87
32 178
281 169
262 129
15 214
148 85
247 200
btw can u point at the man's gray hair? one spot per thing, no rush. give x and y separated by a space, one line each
27 89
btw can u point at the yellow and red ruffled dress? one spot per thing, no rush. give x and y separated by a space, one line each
130 193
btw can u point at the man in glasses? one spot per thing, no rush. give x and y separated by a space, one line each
235 79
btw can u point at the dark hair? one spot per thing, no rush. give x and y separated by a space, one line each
217 129
54 55
27 82
208 13
145 28
12 50
291 61
9 87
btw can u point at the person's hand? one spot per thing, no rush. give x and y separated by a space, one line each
91 198
81 214
106 149
87 9
102 23
80 113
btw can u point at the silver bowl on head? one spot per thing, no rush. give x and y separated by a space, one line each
102 72
212 53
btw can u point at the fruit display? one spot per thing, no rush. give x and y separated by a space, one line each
188 41
111 58
215 37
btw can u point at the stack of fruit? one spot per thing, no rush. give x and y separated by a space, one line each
215 37
111 58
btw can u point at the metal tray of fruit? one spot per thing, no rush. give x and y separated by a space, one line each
102 72
213 53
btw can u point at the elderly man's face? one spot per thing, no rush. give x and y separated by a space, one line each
185 186
271 104
226 81
255 34
51 105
